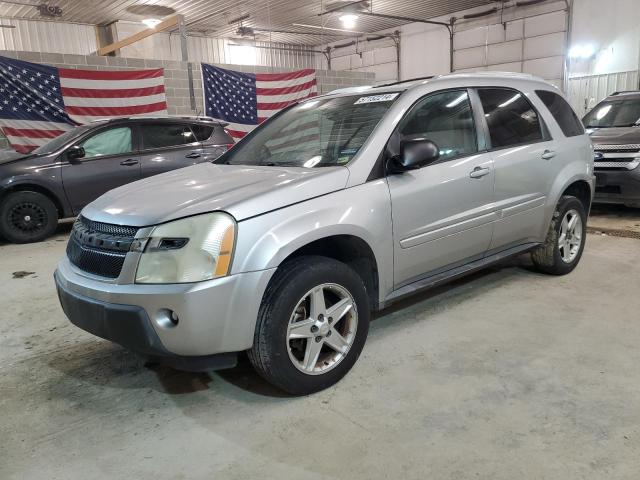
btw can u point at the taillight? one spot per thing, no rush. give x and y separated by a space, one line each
229 145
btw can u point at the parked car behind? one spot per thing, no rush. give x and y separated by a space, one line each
614 127
62 176
334 207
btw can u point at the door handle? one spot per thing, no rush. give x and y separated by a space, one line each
548 154
129 162
479 172
192 155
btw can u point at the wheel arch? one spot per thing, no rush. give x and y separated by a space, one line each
581 189
34 187
349 249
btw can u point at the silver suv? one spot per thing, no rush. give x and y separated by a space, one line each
335 207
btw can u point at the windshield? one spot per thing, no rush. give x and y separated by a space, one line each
620 113
322 132
54 144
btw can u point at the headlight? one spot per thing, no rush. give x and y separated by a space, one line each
191 249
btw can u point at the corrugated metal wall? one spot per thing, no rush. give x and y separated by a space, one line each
585 92
51 37
80 39
165 46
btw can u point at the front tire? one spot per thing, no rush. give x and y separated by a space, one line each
27 217
312 325
566 237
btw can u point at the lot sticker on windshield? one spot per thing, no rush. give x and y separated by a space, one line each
386 97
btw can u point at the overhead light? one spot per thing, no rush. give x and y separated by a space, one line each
349 20
151 22
582 51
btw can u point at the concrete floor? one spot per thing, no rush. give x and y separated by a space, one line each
507 374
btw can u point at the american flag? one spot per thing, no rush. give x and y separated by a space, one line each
40 102
244 100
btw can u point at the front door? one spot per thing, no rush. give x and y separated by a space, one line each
442 213
168 146
110 161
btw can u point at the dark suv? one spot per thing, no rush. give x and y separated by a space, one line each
614 127
62 176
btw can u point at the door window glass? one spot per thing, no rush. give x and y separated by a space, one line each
159 135
568 121
445 119
202 132
512 120
113 141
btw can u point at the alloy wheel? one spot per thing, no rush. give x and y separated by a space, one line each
570 238
322 329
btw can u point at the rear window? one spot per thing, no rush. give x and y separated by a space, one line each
202 132
159 135
568 121
511 119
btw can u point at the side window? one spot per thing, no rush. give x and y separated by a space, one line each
512 120
113 141
565 116
159 135
446 119
202 132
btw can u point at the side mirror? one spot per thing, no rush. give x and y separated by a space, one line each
415 152
75 153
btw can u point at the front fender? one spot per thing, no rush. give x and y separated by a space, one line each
363 211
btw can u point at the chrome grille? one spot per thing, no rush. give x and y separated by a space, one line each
633 147
99 248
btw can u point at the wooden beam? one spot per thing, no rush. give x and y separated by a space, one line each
170 22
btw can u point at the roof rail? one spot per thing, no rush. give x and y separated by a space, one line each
406 81
624 92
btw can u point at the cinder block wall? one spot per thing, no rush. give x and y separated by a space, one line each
176 79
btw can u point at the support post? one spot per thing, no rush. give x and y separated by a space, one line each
185 58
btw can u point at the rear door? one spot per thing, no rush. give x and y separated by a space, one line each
442 213
110 160
215 140
523 154
168 146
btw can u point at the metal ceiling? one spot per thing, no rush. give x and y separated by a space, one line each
212 17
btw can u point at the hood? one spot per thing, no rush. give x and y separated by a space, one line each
243 191
7 156
615 136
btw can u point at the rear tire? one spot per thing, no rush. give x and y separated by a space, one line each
566 237
312 325
27 217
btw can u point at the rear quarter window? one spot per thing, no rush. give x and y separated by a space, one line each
568 121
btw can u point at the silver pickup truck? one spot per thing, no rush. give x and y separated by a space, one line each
335 207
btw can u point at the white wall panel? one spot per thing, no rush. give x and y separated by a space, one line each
532 44
506 67
514 30
547 68
470 38
469 58
504 52
543 24
550 45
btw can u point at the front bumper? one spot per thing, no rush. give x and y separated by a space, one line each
618 186
215 316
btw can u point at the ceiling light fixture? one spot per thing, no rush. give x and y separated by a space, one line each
349 20
151 22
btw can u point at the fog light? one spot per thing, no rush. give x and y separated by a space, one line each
167 318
